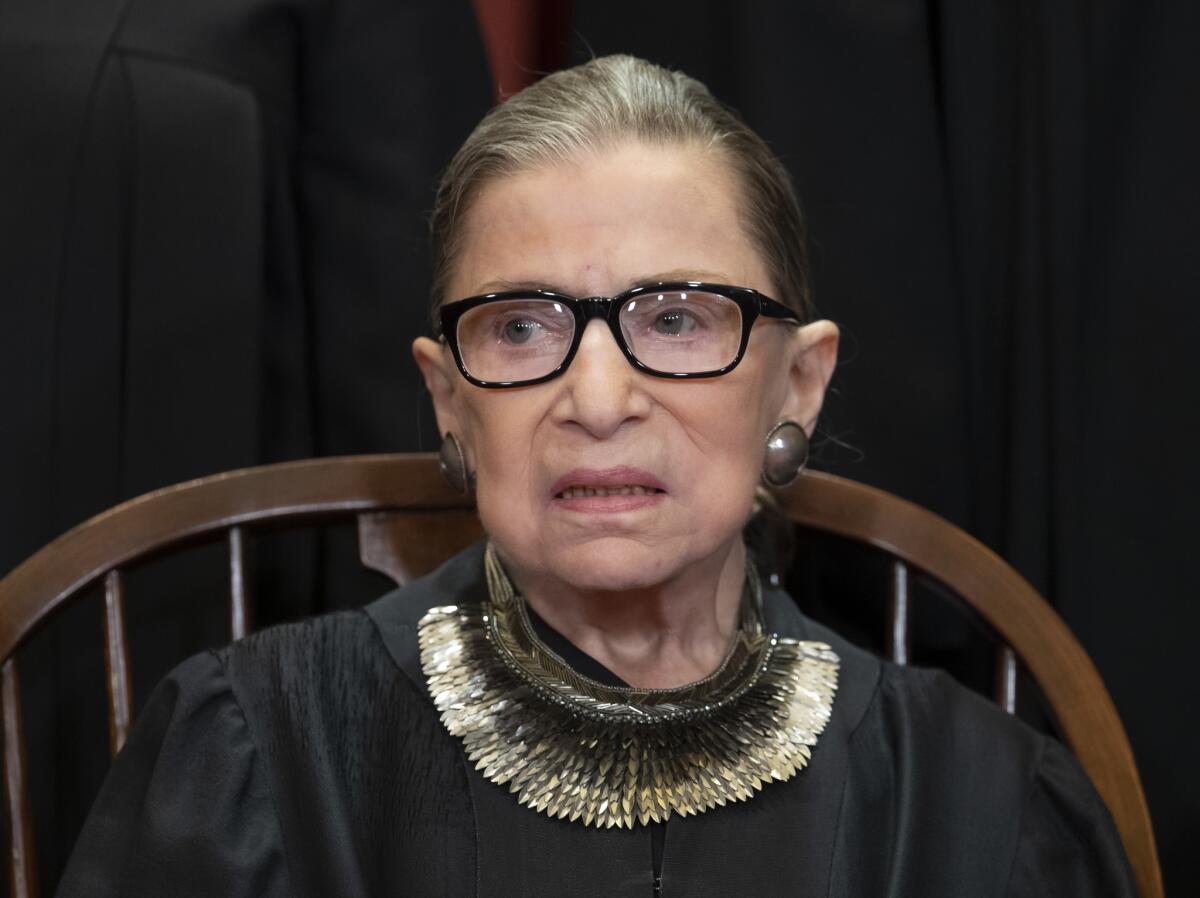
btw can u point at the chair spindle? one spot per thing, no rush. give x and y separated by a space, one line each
22 870
239 591
898 636
1006 679
116 660
408 545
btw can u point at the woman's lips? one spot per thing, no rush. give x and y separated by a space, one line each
607 490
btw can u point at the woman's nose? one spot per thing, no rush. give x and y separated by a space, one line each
602 389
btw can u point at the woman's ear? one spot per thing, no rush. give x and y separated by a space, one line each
441 379
813 349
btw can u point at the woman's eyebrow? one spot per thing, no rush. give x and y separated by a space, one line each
683 274
501 285
675 274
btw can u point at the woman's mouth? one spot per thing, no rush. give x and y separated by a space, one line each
608 490
583 492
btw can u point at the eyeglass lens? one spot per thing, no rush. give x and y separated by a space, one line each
673 332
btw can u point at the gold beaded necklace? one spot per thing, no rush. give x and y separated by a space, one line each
574 748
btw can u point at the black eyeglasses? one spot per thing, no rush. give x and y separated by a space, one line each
679 330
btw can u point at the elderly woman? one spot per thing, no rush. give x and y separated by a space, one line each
603 699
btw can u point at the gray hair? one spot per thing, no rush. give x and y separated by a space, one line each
609 101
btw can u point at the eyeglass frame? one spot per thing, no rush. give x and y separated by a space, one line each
750 302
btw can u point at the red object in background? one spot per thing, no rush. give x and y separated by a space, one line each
525 39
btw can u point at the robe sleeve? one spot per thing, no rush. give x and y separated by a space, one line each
187 808
1068 843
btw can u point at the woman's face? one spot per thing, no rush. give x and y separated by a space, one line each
633 215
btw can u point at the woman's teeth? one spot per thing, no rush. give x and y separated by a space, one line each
582 492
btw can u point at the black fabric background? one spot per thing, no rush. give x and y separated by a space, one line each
211 255
1004 201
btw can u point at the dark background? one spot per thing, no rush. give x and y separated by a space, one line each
212 255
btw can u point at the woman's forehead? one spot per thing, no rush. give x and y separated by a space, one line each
600 223
648 277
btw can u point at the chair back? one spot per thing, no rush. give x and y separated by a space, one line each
409 522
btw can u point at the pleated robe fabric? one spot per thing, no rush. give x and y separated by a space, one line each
308 760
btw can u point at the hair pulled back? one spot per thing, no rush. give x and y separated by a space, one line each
606 102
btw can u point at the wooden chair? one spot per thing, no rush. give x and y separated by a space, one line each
409 522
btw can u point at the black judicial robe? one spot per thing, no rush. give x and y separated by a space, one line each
309 760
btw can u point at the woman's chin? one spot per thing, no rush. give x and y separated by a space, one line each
619 565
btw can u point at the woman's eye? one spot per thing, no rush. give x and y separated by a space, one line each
519 330
675 322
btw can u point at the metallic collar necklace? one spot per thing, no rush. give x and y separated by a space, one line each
574 748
